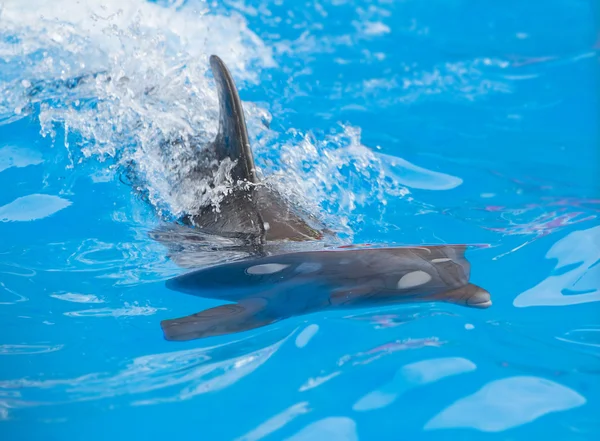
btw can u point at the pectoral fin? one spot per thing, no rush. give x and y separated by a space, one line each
221 320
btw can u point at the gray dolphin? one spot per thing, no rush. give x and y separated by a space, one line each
269 289
274 281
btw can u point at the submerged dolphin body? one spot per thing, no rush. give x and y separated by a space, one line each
274 282
272 288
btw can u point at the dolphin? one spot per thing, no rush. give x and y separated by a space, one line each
269 281
268 289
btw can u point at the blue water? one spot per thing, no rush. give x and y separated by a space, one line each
495 103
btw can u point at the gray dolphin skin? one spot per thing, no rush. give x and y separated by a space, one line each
273 288
252 210
274 282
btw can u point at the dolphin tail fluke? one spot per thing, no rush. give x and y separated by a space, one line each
232 139
221 320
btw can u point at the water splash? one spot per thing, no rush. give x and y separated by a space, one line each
129 84
127 81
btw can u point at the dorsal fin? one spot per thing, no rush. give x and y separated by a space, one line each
257 212
232 140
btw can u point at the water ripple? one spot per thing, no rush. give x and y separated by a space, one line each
127 311
181 374
17 297
28 349
77 298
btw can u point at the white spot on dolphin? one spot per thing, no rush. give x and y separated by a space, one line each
441 260
32 207
415 278
266 268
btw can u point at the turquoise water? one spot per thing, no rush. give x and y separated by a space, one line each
399 123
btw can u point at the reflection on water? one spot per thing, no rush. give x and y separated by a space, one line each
332 428
414 375
507 403
32 207
12 156
578 255
276 422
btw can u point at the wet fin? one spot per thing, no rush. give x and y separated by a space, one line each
254 213
221 320
232 140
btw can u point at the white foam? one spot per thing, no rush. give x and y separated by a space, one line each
153 85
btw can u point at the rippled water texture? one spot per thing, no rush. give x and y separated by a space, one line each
393 122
